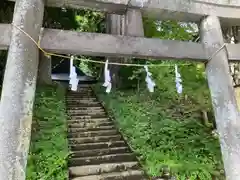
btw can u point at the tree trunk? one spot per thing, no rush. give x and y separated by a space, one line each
19 90
223 97
44 70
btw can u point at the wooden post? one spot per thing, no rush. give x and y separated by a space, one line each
44 70
223 97
19 90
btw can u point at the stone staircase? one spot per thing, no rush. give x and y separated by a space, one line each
98 149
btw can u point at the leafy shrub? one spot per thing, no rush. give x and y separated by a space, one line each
161 135
48 151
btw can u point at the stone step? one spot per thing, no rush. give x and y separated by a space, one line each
125 175
83 103
82 91
86 113
95 104
110 158
88 120
99 145
93 128
98 152
93 133
83 108
102 168
87 116
94 139
84 98
80 96
88 124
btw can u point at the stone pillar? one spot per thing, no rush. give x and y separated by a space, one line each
114 27
131 25
18 90
45 70
223 96
134 23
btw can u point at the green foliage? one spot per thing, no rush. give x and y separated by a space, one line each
164 76
84 66
48 151
164 30
60 18
159 130
195 87
131 76
169 29
90 21
175 30
89 68
83 20
6 12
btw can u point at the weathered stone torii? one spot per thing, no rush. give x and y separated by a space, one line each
21 69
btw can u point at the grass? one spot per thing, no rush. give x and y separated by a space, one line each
161 134
48 150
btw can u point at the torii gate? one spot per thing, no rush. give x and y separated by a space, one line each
22 64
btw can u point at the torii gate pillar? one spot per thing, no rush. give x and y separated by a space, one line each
223 96
134 23
19 90
45 69
130 24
